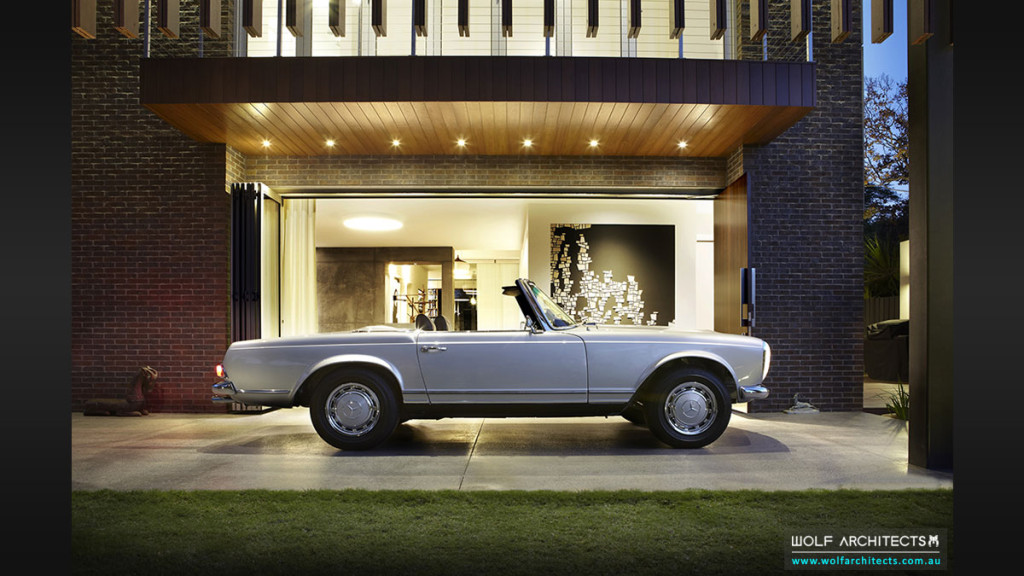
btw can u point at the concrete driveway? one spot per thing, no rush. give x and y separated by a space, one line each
280 450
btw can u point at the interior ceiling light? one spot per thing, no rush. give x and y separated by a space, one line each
462 270
396 142
682 144
461 142
372 223
527 143
594 143
266 143
330 143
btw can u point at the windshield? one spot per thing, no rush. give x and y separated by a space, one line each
555 316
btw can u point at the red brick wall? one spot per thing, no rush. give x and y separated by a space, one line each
149 230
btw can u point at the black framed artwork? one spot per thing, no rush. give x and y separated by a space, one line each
614 273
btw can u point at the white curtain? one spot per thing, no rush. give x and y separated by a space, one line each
495 311
298 268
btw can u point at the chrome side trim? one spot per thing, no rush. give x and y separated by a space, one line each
510 391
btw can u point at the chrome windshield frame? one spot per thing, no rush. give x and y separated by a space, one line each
540 302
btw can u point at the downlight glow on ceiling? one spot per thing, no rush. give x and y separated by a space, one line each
372 223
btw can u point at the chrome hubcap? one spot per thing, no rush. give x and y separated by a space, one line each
353 409
690 408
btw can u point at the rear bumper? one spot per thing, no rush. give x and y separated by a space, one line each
223 391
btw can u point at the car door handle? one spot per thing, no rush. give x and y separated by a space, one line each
433 348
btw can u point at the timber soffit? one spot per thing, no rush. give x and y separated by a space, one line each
629 106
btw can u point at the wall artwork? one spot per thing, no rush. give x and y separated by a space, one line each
614 273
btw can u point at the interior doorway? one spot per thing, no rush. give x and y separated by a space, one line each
416 290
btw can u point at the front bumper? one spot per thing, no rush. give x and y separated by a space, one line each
748 393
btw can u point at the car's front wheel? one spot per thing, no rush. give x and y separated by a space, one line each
688 408
354 410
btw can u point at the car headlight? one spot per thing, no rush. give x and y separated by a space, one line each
766 359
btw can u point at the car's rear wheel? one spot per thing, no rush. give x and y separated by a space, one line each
354 410
688 408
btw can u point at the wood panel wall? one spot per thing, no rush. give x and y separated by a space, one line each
730 231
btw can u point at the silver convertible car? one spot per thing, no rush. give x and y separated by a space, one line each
360 385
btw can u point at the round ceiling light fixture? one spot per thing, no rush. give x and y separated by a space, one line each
372 223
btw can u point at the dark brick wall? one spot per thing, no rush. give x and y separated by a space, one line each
149 228
781 49
536 171
806 236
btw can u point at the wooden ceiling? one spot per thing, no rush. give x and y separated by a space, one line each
631 107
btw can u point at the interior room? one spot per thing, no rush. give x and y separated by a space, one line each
389 261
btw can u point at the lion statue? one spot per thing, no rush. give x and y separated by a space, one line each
134 401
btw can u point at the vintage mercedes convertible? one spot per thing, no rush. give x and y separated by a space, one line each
359 386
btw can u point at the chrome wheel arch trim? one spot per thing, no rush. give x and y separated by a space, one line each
687 355
344 360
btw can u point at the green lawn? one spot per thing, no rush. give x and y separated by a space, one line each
451 533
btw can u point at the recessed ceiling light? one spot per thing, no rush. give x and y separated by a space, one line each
461 142
372 223
594 143
266 143
527 143
330 143
396 142
682 144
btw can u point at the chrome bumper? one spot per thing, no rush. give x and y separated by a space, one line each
752 393
222 391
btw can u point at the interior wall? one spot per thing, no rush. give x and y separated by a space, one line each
352 291
495 311
692 221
